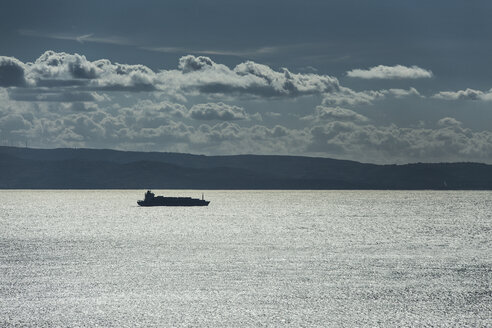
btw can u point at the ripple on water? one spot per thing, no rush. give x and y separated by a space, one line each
252 258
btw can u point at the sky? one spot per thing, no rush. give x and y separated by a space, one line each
372 81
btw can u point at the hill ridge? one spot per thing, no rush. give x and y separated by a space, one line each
67 168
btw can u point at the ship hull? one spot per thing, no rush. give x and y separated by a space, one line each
152 200
197 202
149 205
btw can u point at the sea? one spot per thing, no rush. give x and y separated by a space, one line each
93 258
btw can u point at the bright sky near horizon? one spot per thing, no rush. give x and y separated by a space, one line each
373 81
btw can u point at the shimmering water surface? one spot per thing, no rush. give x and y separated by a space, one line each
251 258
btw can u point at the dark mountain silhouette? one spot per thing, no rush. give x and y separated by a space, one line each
106 169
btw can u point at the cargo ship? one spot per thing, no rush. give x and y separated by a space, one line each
151 200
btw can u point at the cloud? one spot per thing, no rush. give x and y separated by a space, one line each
400 93
79 38
59 72
449 122
249 52
390 72
12 72
468 94
192 64
349 97
145 125
389 144
277 131
80 107
14 123
166 108
201 75
53 65
166 126
50 95
219 52
258 139
323 113
274 115
65 99
123 41
148 113
217 111
285 82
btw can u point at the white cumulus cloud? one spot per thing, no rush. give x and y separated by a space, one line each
217 111
349 97
60 73
324 113
468 94
391 72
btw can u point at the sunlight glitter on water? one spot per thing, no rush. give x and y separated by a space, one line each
251 258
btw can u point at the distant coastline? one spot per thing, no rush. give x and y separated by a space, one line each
63 168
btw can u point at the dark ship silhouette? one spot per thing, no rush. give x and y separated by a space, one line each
152 200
